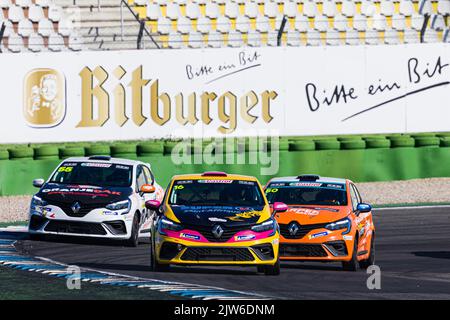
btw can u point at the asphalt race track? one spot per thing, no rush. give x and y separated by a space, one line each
412 250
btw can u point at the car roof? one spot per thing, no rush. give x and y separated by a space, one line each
110 160
200 176
321 179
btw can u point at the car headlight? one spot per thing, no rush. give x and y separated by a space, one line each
166 224
265 226
340 224
121 205
38 202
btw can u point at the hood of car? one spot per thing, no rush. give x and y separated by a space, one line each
63 193
211 215
313 214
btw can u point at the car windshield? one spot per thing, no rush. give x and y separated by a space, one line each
93 173
299 193
216 192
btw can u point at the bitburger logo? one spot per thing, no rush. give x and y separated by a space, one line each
44 98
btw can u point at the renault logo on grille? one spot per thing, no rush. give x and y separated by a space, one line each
75 207
217 231
293 228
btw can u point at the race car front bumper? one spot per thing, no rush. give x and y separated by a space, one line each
94 224
332 247
177 251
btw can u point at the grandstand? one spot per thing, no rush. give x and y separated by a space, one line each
59 25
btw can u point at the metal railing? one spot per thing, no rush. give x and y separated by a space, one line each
142 28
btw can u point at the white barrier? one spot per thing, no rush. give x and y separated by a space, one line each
87 96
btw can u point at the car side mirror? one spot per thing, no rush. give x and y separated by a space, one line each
38 183
280 207
152 204
364 207
147 188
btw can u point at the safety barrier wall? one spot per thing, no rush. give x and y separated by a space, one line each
361 158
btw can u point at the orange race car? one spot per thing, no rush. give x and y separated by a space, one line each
326 220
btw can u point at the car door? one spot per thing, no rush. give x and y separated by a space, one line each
363 219
140 181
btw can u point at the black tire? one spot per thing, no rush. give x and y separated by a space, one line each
352 265
260 269
364 264
273 270
134 238
155 266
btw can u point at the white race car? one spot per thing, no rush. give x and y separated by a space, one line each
96 196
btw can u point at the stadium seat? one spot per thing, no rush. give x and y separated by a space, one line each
43 3
431 36
54 13
243 24
15 43
45 27
164 25
65 27
24 3
360 22
348 8
372 37
254 39
25 28
398 22
8 28
417 21
192 11
293 38
215 39
235 39
312 38
153 11
438 22
379 22
223 24
75 42
5 4
184 25
35 43
173 11
55 42
340 22
352 37
195 40
290 9
391 37
406 8
426 7
35 13
212 10
321 23
301 23
443 7
332 38
15 13
262 24
329 8
387 8
175 40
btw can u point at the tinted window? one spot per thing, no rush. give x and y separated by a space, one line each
327 194
93 173
140 178
214 192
